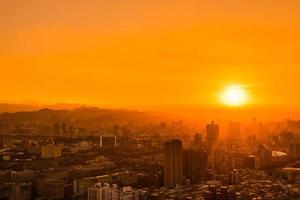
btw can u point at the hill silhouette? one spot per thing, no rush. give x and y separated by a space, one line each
83 115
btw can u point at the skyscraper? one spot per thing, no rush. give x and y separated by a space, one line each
212 135
294 151
197 140
195 163
108 141
173 167
234 177
4 129
234 131
265 156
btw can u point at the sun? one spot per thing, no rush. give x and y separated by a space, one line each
234 95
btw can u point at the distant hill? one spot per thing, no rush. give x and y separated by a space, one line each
83 115
11 108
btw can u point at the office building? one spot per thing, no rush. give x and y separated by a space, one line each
212 135
197 142
234 131
234 177
108 141
173 166
4 129
103 192
51 151
53 189
15 191
265 156
294 151
195 164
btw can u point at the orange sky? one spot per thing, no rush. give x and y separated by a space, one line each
149 53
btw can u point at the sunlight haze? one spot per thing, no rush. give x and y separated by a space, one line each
142 54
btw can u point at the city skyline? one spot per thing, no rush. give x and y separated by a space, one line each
149 100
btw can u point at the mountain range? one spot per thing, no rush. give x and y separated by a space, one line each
83 115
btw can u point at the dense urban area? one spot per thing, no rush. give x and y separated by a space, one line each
94 154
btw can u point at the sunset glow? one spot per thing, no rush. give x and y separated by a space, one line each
150 99
150 55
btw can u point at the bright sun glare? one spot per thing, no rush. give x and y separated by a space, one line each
234 95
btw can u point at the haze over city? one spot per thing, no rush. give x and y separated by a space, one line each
149 100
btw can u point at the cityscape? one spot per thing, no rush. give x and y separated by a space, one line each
47 154
149 100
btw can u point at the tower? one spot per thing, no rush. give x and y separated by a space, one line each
173 167
195 163
234 131
212 135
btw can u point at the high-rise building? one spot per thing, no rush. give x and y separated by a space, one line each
265 156
51 151
58 128
173 166
224 193
234 131
103 192
294 151
22 176
4 129
234 177
15 191
106 192
212 135
218 160
197 140
127 193
250 162
108 141
212 132
2 142
195 163
53 189
95 193
213 191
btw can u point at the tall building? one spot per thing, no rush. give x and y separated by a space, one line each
15 191
224 193
106 192
212 132
234 131
250 162
234 177
294 151
103 192
219 160
265 156
286 138
51 151
173 167
57 128
197 140
213 191
4 129
53 189
212 135
127 193
22 176
195 164
95 193
108 141
2 142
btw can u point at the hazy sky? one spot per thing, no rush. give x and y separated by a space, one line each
149 52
